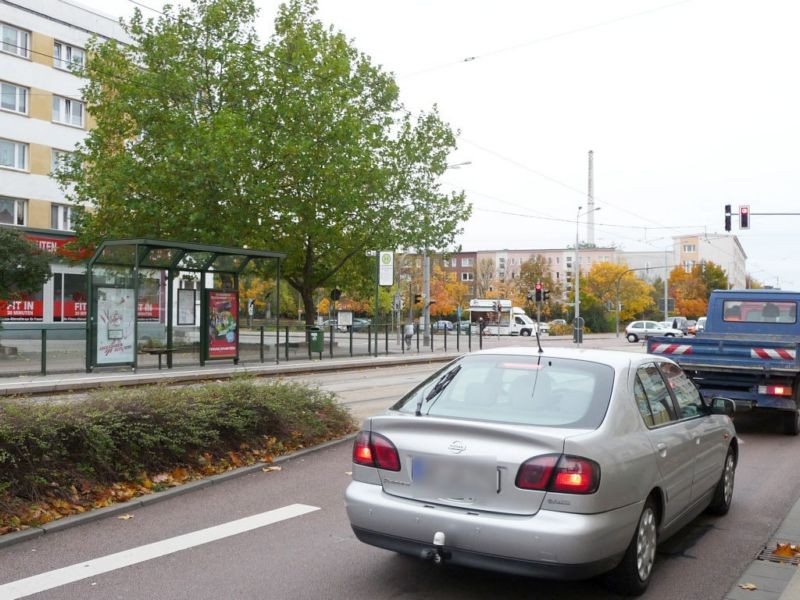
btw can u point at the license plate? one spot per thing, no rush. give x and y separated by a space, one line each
466 478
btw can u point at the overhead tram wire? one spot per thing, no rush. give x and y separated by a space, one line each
548 38
565 185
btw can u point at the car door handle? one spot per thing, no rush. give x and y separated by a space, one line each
662 449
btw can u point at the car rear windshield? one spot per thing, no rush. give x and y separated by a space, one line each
526 390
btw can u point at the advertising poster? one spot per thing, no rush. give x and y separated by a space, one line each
223 322
116 317
186 300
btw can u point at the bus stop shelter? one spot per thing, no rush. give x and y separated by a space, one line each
131 285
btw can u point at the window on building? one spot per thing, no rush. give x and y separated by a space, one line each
14 98
67 111
549 260
61 217
67 57
14 41
501 261
58 159
467 277
13 211
13 155
689 248
558 260
454 262
466 262
687 266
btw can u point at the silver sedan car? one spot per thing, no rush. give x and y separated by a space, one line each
565 463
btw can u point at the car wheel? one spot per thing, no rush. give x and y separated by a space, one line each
632 338
723 493
669 335
631 576
525 332
791 422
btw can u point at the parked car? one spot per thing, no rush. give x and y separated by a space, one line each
558 322
463 326
442 325
691 327
640 330
681 323
669 330
546 464
701 325
358 325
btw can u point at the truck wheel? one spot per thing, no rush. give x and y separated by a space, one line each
525 332
632 338
791 422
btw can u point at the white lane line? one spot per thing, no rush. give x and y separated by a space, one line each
104 564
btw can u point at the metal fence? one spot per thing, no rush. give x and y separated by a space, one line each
42 349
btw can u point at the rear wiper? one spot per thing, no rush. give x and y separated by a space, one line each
437 389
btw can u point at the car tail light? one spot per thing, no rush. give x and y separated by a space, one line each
536 473
775 390
559 473
374 450
575 475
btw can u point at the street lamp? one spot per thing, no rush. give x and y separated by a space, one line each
578 324
459 165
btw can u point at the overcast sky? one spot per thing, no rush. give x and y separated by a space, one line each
688 106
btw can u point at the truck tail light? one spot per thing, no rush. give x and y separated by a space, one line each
559 473
375 450
775 390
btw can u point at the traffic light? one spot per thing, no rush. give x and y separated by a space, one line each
417 298
727 217
545 295
744 217
538 292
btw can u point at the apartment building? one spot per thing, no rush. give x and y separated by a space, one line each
42 118
723 250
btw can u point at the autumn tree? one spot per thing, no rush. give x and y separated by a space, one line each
604 280
299 144
484 276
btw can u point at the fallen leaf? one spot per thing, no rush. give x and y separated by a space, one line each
268 469
125 517
784 550
748 586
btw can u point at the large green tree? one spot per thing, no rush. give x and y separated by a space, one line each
23 267
299 144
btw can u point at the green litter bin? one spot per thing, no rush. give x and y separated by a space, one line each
316 339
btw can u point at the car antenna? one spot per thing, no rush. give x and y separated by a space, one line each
538 341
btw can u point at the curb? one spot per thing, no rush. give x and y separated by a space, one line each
71 521
88 381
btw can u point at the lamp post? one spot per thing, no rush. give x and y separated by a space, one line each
578 323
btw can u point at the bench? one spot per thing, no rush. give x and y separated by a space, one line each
161 351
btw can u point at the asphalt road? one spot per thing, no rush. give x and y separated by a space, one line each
314 555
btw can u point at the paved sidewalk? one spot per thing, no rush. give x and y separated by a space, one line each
773 579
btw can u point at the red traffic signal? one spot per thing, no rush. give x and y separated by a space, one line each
744 217
538 292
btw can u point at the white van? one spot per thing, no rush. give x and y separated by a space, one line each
500 318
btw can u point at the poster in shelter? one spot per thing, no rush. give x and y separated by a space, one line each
116 320
223 323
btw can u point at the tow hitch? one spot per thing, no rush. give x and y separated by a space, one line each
437 554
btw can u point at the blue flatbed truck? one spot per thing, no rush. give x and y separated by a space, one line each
748 352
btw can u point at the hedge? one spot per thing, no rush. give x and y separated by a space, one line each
116 435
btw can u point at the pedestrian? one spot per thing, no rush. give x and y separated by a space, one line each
408 334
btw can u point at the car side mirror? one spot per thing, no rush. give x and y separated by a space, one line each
722 406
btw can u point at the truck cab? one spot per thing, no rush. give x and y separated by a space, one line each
747 351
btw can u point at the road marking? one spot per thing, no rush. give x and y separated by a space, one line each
104 564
